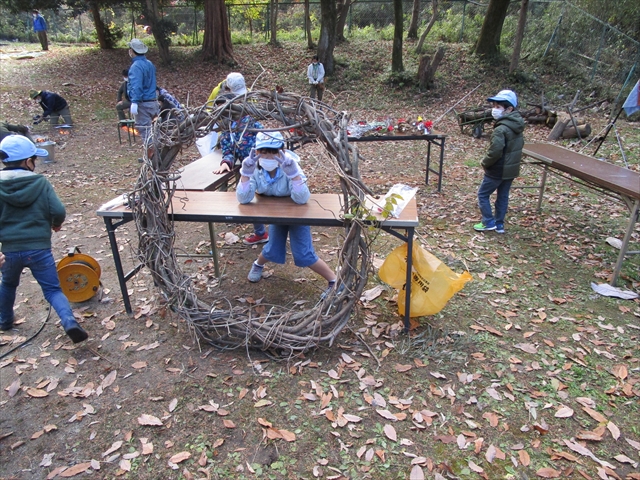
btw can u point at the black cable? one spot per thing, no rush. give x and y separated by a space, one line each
29 339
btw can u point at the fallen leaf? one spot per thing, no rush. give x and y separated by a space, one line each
620 371
615 431
416 473
37 393
548 472
75 470
402 368
564 412
173 404
115 446
180 457
390 432
146 419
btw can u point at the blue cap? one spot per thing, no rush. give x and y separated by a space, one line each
505 96
17 147
269 140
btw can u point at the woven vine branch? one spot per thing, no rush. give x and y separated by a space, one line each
283 329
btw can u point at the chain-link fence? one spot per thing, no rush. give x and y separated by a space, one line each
556 30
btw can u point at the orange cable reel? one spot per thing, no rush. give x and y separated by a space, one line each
79 276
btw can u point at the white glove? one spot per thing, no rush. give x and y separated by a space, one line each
133 109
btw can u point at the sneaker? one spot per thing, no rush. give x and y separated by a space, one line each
6 326
481 227
499 228
255 274
76 333
254 239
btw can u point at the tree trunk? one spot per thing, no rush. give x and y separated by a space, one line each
488 44
396 53
427 69
558 128
216 45
307 21
342 8
152 13
434 16
570 132
522 22
327 41
412 33
100 27
274 23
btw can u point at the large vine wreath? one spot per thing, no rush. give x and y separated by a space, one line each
286 330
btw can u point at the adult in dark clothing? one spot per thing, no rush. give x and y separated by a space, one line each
123 102
54 107
40 27
169 106
502 162
7 129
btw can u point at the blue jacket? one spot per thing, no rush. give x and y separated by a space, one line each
39 24
142 80
235 145
51 102
279 186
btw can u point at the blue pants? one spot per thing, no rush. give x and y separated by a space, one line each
301 245
488 186
43 269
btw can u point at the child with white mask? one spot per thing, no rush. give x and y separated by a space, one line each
273 171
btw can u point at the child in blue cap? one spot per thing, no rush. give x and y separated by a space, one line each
29 210
271 170
502 162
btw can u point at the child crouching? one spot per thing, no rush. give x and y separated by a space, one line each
270 170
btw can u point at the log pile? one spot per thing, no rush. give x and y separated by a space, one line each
562 124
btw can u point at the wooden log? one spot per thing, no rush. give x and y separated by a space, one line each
558 128
570 132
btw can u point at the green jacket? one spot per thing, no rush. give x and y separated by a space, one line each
505 151
28 209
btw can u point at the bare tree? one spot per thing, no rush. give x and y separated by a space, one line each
216 45
342 8
396 52
307 24
488 44
522 22
434 16
415 18
327 41
160 29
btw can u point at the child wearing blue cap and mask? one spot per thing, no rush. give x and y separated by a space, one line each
271 170
502 162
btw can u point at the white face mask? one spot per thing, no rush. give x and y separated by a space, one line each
269 164
497 113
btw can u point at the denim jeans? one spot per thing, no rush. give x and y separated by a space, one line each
259 229
488 186
43 269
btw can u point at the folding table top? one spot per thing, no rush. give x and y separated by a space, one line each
199 175
606 175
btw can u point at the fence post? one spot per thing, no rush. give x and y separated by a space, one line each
595 63
553 35
464 12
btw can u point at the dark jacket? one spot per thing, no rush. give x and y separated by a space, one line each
7 129
29 207
505 151
122 92
51 102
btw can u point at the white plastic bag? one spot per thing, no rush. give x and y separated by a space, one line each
399 195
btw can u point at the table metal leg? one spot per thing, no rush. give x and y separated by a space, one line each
441 165
407 298
543 182
111 232
214 249
633 218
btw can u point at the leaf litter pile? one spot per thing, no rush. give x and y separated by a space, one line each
526 373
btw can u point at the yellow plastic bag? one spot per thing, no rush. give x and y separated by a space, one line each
432 282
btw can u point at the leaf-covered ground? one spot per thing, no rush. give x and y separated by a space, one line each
526 373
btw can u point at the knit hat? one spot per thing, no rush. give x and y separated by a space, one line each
16 147
34 93
235 83
138 46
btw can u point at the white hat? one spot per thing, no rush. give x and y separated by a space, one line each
235 83
505 96
17 147
138 46
269 140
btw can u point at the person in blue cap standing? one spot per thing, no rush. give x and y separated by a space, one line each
502 162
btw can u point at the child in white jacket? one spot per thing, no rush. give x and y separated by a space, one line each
271 170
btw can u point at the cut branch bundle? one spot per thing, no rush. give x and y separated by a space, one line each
283 329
